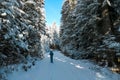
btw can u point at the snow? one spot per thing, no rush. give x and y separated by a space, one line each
63 68
4 14
108 2
30 2
112 44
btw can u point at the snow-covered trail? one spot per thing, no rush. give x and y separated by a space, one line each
63 68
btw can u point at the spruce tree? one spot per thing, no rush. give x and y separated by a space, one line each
22 22
90 29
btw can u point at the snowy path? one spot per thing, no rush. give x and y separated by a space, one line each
63 68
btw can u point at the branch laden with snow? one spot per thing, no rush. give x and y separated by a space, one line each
21 24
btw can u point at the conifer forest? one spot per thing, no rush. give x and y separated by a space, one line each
89 30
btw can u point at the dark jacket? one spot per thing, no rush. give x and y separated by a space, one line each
51 53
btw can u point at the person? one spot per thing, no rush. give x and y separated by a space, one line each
51 56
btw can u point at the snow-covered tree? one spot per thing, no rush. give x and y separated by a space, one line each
78 22
89 27
53 36
22 22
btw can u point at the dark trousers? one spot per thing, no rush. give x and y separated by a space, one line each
51 58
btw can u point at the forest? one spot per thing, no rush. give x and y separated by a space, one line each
89 30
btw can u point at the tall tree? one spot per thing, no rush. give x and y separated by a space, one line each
22 23
53 33
78 22
90 29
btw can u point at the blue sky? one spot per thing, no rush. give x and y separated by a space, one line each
53 10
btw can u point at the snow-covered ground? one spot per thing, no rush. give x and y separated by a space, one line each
63 68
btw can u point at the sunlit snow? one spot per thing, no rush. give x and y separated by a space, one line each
63 68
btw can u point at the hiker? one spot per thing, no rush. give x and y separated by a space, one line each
51 56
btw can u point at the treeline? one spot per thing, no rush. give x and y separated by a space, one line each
22 23
52 39
90 29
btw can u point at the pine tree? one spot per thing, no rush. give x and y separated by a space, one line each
90 29
22 23
77 23
67 24
53 36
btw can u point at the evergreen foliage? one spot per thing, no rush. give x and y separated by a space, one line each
53 36
22 22
90 29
